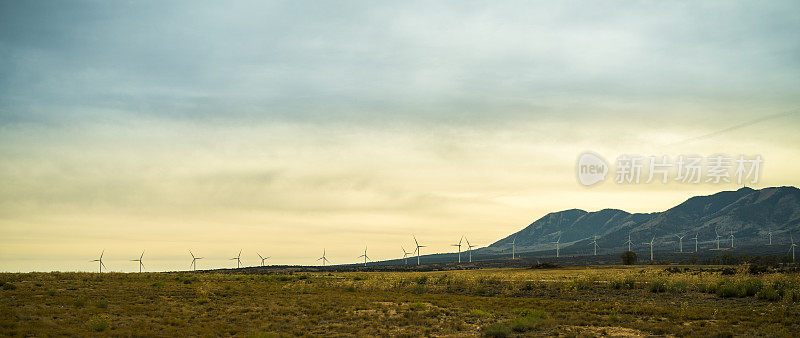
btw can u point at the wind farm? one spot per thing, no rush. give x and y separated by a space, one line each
571 146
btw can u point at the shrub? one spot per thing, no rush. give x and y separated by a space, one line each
79 302
726 290
418 289
678 286
658 285
749 288
418 306
629 282
9 286
99 323
769 293
101 304
531 313
497 330
628 258
480 313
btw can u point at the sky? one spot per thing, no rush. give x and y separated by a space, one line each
286 128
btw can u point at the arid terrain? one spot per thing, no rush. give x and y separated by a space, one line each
612 300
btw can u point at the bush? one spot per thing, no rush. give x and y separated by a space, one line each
480 313
628 258
658 285
726 290
99 323
418 289
678 286
79 302
749 288
101 304
531 313
769 293
497 330
9 286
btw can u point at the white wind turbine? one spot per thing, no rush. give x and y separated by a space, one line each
651 246
557 242
791 248
514 248
405 254
459 248
418 246
732 237
238 259
770 236
718 236
695 242
323 259
469 248
262 258
680 241
194 261
594 243
629 242
365 256
140 262
100 260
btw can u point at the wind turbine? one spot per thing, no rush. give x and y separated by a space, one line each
418 246
262 258
770 236
405 254
791 248
594 243
365 256
194 260
557 242
323 259
680 240
695 242
237 259
732 237
629 242
469 249
718 236
100 260
651 246
459 248
514 247
140 262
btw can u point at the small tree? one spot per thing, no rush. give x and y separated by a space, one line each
628 258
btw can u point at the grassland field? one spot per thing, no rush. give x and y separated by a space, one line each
573 301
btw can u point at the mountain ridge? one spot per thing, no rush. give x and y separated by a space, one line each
746 213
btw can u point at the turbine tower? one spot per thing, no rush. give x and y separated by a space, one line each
405 254
194 261
770 236
140 262
459 248
418 246
680 240
469 248
238 259
791 248
651 246
695 242
732 237
365 256
557 242
629 242
323 259
514 248
718 236
262 258
100 260
594 243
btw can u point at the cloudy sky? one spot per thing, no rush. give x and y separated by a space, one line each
288 127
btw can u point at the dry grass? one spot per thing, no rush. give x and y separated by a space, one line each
572 301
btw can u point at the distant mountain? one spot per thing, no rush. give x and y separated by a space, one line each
747 213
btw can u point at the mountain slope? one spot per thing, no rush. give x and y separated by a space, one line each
746 213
